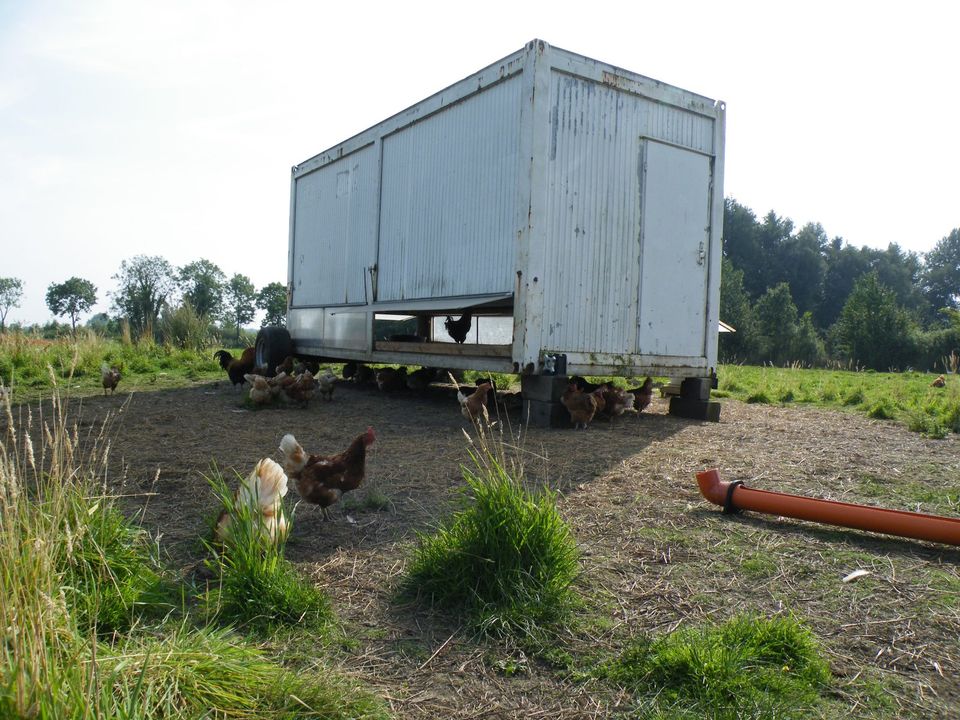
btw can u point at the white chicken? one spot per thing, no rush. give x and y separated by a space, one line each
262 492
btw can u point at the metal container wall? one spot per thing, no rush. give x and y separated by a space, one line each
449 198
335 234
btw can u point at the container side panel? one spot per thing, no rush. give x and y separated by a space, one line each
448 201
676 236
334 236
593 218
678 127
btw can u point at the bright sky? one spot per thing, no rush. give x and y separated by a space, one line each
169 128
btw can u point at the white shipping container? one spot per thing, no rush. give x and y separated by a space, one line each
579 203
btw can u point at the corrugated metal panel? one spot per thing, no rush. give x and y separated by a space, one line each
593 218
448 200
334 232
676 126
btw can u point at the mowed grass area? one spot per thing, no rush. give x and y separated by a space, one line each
908 398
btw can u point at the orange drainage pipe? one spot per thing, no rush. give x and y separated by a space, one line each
734 496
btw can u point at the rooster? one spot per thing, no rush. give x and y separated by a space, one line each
323 479
237 367
458 329
581 406
109 377
261 491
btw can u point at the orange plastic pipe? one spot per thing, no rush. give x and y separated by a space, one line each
734 496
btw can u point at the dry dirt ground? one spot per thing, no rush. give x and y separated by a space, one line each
655 555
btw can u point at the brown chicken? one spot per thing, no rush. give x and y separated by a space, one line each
941 381
643 395
581 406
237 367
616 401
301 389
110 376
473 407
323 479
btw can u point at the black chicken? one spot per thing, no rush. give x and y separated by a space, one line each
458 329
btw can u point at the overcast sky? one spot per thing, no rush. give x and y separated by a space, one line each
169 127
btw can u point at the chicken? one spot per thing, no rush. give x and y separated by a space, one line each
362 374
260 390
301 389
261 491
458 329
326 383
581 406
349 369
391 379
237 367
616 401
643 395
584 385
473 407
323 479
419 380
109 377
302 366
941 381
285 367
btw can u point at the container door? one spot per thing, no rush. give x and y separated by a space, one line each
675 227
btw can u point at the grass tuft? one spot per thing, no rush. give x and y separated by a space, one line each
749 667
506 560
257 587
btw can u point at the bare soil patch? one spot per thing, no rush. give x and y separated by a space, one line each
655 554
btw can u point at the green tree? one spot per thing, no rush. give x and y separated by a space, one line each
240 296
272 299
11 291
844 265
777 324
801 264
144 285
202 284
741 246
735 310
941 272
72 297
873 330
808 347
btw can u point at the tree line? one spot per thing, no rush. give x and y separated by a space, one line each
797 296
187 306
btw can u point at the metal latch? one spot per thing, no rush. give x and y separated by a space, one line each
702 255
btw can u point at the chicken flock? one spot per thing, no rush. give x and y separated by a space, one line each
322 480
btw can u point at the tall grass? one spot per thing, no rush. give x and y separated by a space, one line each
24 362
506 560
72 568
749 667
